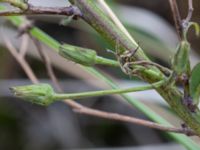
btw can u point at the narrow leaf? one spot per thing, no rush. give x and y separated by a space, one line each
195 83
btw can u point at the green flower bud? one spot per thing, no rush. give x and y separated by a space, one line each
41 94
78 55
181 62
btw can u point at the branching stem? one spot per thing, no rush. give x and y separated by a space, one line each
102 24
190 11
78 108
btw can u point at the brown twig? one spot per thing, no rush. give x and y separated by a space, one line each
47 63
190 10
51 73
124 118
36 10
176 17
24 45
92 112
21 61
25 27
181 25
189 15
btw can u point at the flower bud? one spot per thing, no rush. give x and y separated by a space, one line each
41 94
78 55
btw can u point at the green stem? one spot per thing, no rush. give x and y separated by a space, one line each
84 56
105 61
96 18
186 141
107 92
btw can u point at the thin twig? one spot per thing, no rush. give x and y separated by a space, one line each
181 26
176 17
25 27
51 73
190 10
47 63
24 45
124 118
97 113
36 10
186 21
21 61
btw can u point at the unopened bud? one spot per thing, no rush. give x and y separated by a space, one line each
78 55
41 94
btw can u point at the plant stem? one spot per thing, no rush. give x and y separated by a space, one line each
114 18
102 24
35 10
190 11
52 43
107 92
85 56
105 61
78 108
176 17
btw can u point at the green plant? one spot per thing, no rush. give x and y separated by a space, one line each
131 59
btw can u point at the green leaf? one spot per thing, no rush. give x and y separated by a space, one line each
195 83
180 62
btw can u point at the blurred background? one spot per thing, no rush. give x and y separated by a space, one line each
28 126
